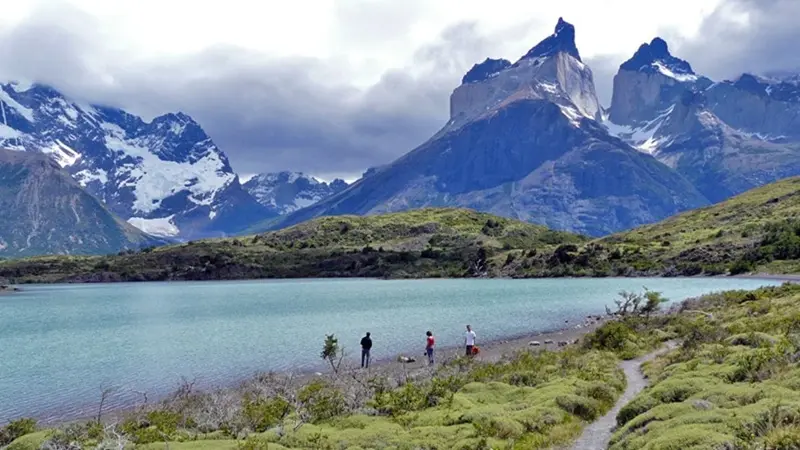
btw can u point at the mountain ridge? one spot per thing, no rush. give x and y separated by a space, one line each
285 192
524 141
702 129
46 211
167 170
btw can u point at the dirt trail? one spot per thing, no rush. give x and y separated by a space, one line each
597 435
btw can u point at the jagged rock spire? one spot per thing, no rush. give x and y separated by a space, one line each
562 40
657 51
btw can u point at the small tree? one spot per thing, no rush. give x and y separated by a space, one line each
628 303
633 304
332 353
653 301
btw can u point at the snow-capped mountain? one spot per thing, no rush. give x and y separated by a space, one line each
524 140
166 176
649 83
286 192
724 137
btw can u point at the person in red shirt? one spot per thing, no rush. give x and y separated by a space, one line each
429 347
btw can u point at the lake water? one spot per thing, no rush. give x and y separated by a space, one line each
60 345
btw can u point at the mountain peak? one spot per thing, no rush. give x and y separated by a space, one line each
562 40
285 192
656 58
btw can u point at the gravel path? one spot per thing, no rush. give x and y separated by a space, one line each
598 433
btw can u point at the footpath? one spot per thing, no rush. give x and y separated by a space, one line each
597 435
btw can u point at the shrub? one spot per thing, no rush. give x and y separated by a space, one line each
586 408
612 336
601 392
320 401
498 427
637 406
564 253
16 429
410 397
261 413
253 443
158 426
742 266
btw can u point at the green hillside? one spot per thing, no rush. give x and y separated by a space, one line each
420 243
732 383
758 231
755 231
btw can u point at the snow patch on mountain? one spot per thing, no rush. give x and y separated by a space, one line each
24 111
154 179
286 192
643 138
7 132
665 70
161 227
62 153
86 176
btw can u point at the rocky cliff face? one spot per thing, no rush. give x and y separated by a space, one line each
725 137
649 83
551 71
285 192
165 176
767 107
45 211
523 141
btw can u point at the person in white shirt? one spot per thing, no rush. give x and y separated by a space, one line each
469 340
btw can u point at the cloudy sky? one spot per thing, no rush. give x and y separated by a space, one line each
331 87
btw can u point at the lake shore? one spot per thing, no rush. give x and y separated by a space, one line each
6 289
251 333
491 351
789 278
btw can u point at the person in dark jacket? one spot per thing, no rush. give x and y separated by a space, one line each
366 346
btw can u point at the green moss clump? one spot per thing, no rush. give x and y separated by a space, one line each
722 390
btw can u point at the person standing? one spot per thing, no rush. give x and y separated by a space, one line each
366 346
469 340
429 343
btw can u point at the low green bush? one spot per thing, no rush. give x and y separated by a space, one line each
261 414
586 408
16 429
321 401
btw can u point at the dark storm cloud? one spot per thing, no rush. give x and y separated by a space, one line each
754 36
304 113
267 114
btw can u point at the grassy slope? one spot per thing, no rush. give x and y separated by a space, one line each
734 384
528 402
426 242
756 231
728 229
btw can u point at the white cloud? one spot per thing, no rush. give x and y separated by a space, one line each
331 87
371 35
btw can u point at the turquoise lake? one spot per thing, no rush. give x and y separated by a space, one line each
60 345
